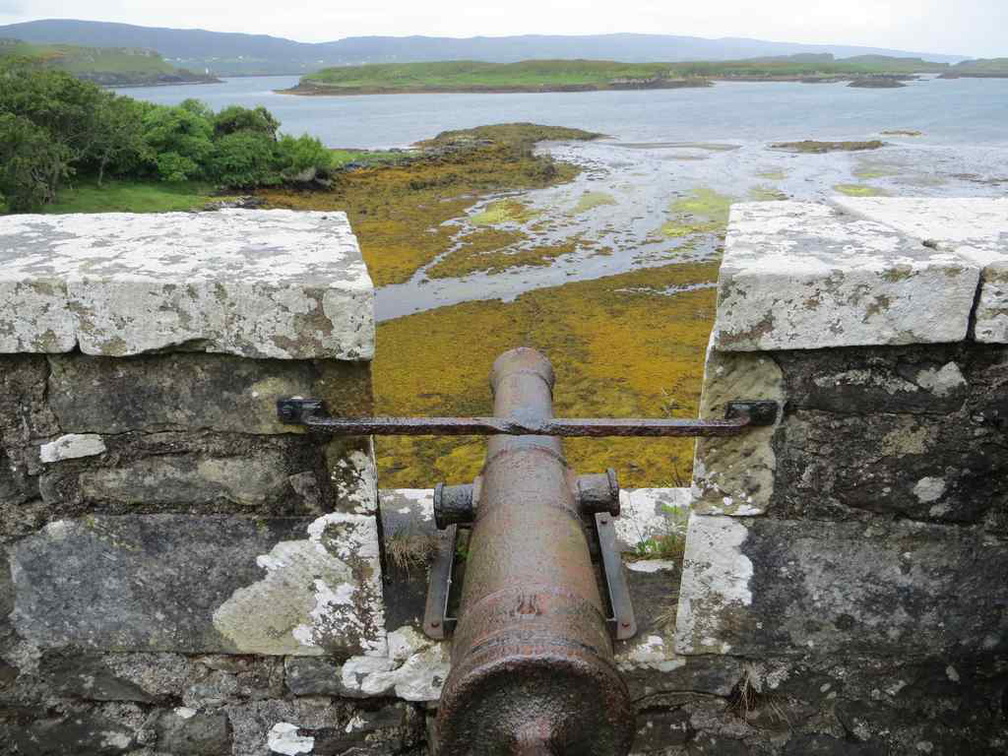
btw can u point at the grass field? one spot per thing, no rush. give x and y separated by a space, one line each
131 197
470 73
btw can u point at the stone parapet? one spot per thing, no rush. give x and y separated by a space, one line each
858 537
167 542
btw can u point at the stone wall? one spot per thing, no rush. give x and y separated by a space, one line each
186 576
171 551
853 558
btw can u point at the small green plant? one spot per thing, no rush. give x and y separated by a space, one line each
670 542
660 547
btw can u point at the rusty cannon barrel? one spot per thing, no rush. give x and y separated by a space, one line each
532 657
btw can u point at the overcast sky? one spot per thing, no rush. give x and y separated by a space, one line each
968 27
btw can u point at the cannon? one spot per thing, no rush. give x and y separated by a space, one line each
533 671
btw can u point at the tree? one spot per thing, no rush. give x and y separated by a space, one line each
236 118
55 101
178 140
119 139
32 164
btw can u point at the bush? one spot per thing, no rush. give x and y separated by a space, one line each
244 159
51 124
236 118
178 141
303 158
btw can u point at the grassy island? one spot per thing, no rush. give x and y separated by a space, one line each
588 75
476 76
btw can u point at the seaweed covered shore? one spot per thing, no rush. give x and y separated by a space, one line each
623 345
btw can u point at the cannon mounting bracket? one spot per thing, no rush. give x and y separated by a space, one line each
437 624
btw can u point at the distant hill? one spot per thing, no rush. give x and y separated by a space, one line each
109 66
236 54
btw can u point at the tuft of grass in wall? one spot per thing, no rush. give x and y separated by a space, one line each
410 550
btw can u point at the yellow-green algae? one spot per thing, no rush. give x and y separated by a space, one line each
873 169
703 211
504 211
620 347
762 193
859 190
591 200
773 175
465 260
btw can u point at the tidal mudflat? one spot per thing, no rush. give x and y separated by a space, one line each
609 266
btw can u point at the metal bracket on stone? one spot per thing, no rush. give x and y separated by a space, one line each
739 416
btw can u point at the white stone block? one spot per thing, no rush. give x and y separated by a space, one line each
974 228
800 275
254 283
72 446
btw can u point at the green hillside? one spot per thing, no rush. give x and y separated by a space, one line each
111 66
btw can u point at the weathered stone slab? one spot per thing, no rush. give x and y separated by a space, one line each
975 228
254 283
25 417
799 275
202 584
212 473
868 381
774 588
197 391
